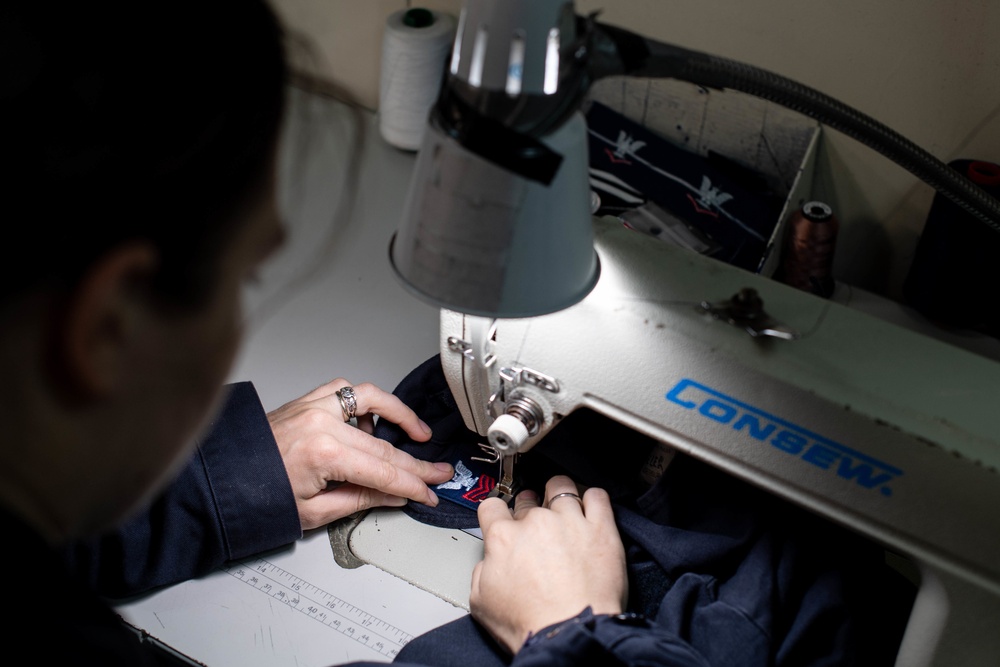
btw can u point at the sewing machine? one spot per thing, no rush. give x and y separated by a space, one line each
871 425
879 428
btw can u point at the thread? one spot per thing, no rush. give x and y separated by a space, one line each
416 46
808 259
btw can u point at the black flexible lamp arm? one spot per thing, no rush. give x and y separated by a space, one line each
616 52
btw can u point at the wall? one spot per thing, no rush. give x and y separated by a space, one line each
929 69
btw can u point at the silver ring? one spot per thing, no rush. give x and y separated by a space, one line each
348 402
560 495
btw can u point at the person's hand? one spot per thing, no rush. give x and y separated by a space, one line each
336 469
545 564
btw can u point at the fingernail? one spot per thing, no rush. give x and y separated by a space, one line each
425 427
443 466
394 501
432 498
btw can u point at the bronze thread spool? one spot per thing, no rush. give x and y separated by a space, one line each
811 240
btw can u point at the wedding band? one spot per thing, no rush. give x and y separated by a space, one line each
348 402
560 495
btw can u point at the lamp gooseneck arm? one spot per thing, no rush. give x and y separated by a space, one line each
617 52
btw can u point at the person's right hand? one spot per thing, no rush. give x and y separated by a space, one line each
545 564
336 469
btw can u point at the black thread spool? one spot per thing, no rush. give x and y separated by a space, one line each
808 257
955 271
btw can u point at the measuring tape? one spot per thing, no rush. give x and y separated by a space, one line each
321 606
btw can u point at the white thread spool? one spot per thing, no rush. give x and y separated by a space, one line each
416 46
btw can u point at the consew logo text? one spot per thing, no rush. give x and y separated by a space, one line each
794 440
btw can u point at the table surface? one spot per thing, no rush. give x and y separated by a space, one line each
327 306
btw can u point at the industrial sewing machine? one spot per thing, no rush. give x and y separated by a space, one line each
875 427
879 428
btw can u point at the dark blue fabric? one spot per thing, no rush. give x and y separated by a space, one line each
425 390
585 640
736 575
729 206
460 643
232 499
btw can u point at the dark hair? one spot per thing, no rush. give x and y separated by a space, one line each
137 120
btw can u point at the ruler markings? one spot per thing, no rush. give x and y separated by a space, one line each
328 609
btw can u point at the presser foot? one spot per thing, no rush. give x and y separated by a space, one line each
507 485
505 492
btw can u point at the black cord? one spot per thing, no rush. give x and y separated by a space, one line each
647 58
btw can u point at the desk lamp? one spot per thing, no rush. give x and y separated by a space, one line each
498 218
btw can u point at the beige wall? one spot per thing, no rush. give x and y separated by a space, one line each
929 69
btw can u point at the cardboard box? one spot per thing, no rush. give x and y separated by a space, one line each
766 146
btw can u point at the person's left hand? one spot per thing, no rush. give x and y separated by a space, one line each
336 469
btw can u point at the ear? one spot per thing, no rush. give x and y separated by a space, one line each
105 316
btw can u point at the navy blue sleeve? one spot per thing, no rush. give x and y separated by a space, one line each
586 639
231 500
602 639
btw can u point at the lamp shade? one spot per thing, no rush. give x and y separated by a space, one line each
480 239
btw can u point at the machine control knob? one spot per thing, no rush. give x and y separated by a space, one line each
507 434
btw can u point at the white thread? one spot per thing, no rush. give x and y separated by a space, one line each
413 64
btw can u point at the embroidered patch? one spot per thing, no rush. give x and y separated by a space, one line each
469 487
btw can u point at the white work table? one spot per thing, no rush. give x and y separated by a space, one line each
327 306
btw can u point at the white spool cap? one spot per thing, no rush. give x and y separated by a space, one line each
507 434
416 45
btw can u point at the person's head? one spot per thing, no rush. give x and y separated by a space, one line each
138 158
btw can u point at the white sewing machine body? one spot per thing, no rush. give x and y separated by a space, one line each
874 426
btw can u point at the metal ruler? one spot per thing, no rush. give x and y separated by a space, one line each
321 606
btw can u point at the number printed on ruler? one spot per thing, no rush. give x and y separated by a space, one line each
321 606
